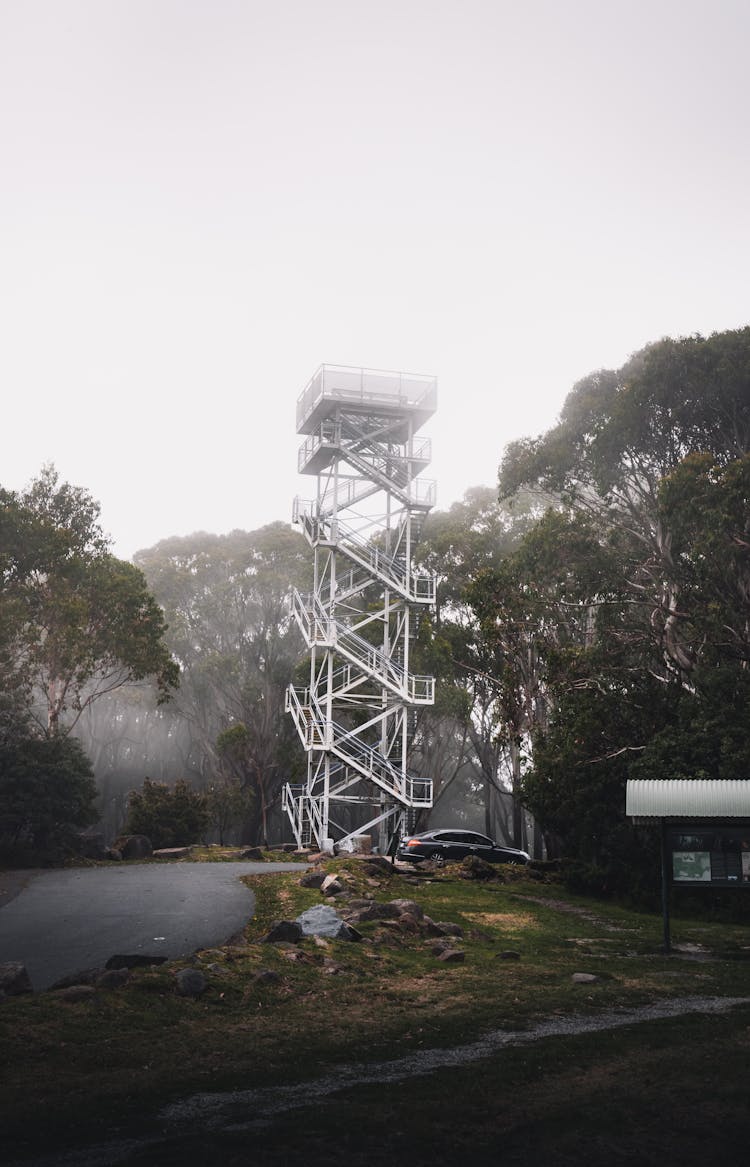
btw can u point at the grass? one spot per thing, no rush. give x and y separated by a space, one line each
81 1071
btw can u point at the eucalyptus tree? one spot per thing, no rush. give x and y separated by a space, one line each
620 434
226 600
654 457
464 738
76 623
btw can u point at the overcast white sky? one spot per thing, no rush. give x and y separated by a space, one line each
203 200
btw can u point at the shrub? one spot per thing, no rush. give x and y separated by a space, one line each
47 794
171 816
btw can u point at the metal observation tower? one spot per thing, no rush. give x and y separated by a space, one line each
355 716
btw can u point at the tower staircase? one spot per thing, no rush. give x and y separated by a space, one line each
355 717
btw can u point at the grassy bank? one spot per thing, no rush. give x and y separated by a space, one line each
279 1015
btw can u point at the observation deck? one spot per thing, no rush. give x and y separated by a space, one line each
406 397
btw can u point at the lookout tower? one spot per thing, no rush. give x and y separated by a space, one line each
355 716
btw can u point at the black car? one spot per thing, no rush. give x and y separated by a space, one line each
447 846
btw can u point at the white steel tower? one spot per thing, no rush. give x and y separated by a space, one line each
354 717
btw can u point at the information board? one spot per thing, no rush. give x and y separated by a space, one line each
710 854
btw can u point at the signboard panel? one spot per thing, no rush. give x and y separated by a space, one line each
708 853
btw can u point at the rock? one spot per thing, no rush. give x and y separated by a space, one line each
372 910
134 960
134 847
331 886
252 853
357 845
288 931
112 978
377 865
509 954
449 929
14 979
322 920
472 867
266 976
312 879
172 852
114 854
86 976
75 993
584 978
191 982
407 907
452 956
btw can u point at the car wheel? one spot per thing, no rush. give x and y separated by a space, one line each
438 858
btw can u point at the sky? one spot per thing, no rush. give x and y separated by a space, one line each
201 201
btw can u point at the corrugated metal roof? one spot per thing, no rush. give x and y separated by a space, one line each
692 798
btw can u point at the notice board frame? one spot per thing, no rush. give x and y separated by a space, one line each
702 852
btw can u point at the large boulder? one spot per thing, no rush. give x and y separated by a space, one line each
134 847
323 920
283 932
472 867
191 982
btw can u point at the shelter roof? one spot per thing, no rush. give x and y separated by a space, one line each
688 798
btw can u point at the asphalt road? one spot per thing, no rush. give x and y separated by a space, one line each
60 922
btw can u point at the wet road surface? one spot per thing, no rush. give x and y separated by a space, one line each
60 922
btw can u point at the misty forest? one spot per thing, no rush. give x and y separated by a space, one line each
592 624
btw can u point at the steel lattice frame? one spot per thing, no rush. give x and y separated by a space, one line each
355 716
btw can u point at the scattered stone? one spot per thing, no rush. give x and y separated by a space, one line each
295 955
191 982
472 867
449 929
509 954
313 879
377 865
408 923
86 976
331 969
331 886
134 960
134 847
452 956
172 852
112 978
409 907
14 979
372 910
266 976
75 993
584 978
283 930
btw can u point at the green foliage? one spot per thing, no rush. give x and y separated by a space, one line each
636 597
47 795
226 599
170 816
75 622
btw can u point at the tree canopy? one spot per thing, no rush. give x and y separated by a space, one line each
642 633
75 622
